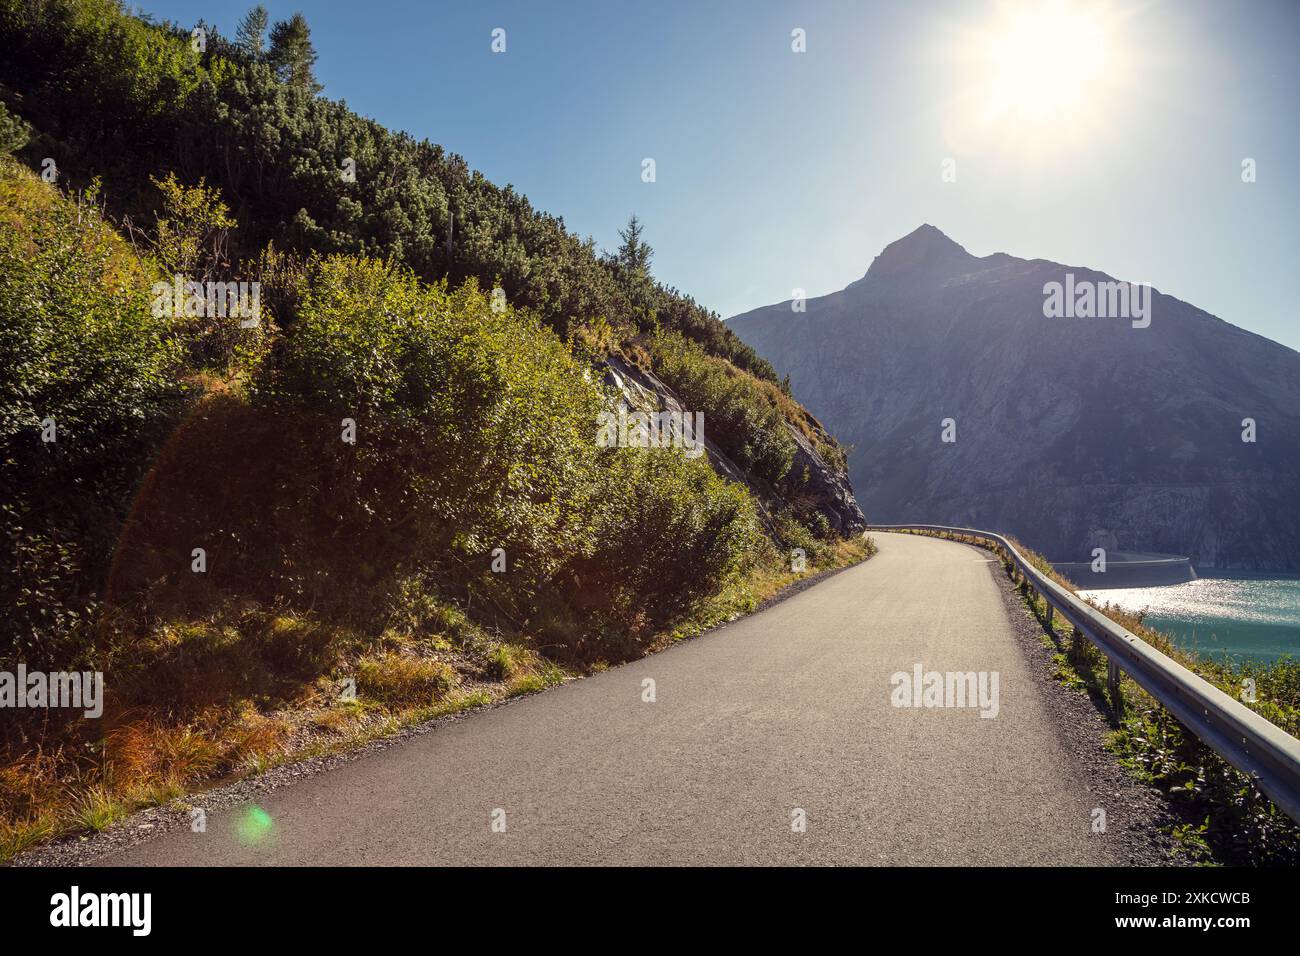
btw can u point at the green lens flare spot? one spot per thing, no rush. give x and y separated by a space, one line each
255 826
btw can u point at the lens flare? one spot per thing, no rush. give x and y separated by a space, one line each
255 827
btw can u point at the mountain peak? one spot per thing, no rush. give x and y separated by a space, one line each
924 246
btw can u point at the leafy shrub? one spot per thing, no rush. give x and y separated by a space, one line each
190 245
82 354
485 410
476 430
14 133
796 533
502 662
78 341
738 413
669 530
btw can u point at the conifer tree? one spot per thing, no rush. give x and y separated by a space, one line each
292 55
250 37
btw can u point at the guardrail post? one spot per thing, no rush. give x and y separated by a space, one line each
1112 687
1076 643
1050 609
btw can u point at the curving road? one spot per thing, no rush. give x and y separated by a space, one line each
788 708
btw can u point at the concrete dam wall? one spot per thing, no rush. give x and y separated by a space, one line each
1129 569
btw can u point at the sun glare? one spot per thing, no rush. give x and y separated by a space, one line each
1044 60
1036 76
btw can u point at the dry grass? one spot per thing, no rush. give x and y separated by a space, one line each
402 680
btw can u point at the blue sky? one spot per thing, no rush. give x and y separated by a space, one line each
779 170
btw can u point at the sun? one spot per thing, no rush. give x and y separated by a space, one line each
1031 81
1044 60
1036 79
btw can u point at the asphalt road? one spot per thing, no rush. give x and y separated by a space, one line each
786 709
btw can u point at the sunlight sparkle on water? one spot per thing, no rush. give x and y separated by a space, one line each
1256 617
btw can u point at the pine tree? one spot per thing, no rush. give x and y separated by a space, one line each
632 265
251 35
291 55
634 254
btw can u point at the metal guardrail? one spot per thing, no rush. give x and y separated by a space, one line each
1268 754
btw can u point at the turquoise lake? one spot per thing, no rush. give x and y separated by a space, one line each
1238 615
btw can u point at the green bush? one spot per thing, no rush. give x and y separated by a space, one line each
738 414
79 344
81 354
669 530
485 411
502 662
477 430
14 133
797 533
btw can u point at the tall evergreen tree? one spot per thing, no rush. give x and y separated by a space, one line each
291 55
251 35
632 263
634 254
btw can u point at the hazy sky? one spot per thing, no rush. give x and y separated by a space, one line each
778 170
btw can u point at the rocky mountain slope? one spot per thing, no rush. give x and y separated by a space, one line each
1071 433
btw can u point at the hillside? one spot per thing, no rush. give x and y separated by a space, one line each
114 96
1071 433
113 99
372 488
311 548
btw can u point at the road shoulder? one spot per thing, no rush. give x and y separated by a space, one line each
1137 820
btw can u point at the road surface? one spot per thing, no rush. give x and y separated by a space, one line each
786 710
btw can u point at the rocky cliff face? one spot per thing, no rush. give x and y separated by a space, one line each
1071 433
640 390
